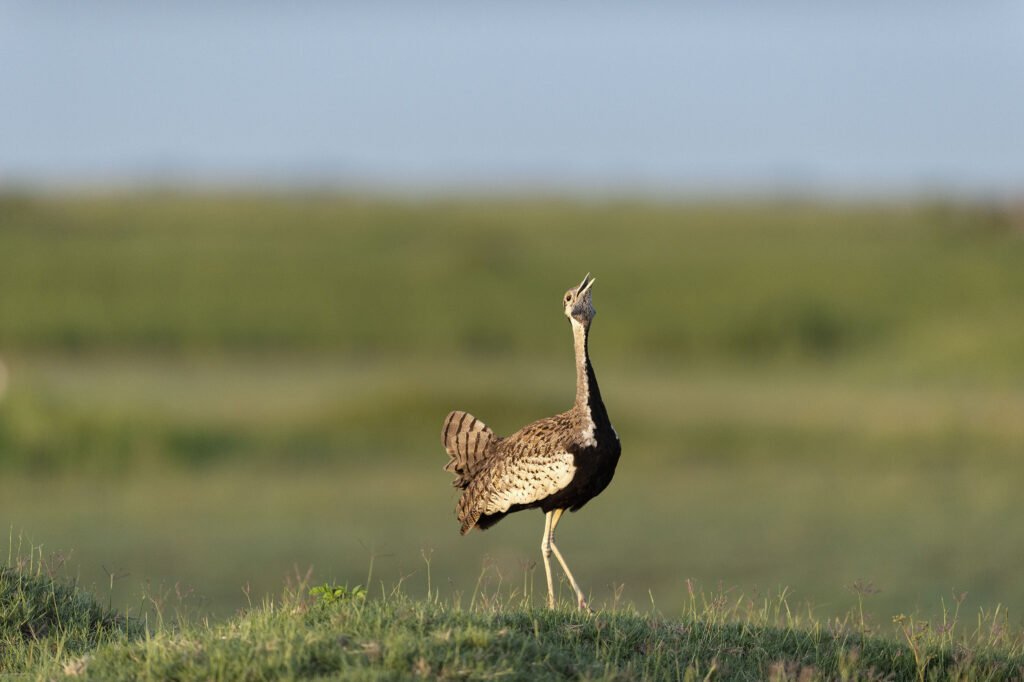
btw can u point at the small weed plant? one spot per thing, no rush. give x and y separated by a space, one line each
328 594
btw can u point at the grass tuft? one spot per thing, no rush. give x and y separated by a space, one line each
44 620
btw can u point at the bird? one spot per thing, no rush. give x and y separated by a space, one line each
555 464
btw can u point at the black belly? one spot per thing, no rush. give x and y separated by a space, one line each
595 467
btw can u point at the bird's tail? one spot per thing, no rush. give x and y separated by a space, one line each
468 441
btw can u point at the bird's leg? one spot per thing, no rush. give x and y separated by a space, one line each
581 601
545 549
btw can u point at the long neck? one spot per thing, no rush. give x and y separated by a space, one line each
588 395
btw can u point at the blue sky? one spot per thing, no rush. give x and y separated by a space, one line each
877 98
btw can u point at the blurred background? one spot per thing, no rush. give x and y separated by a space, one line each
250 257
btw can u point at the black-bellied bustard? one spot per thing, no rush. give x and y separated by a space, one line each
557 463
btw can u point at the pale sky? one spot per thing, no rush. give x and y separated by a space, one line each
576 96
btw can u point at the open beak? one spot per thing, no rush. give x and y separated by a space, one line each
585 285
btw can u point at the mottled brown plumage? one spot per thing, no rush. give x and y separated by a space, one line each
554 464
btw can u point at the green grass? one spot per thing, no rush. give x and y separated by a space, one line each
922 289
51 630
44 620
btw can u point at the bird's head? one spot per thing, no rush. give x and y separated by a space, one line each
578 304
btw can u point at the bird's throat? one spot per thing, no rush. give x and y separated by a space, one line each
588 396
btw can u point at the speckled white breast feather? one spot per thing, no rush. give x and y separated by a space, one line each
530 481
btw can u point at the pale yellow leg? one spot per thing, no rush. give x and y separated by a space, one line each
581 601
545 550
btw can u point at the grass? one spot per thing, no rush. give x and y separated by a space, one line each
927 286
44 620
496 632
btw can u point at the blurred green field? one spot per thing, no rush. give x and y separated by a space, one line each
210 390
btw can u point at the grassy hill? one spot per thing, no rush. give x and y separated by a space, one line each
52 630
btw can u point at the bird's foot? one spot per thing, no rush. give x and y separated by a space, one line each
582 603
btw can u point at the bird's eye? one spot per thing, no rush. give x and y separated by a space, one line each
568 297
